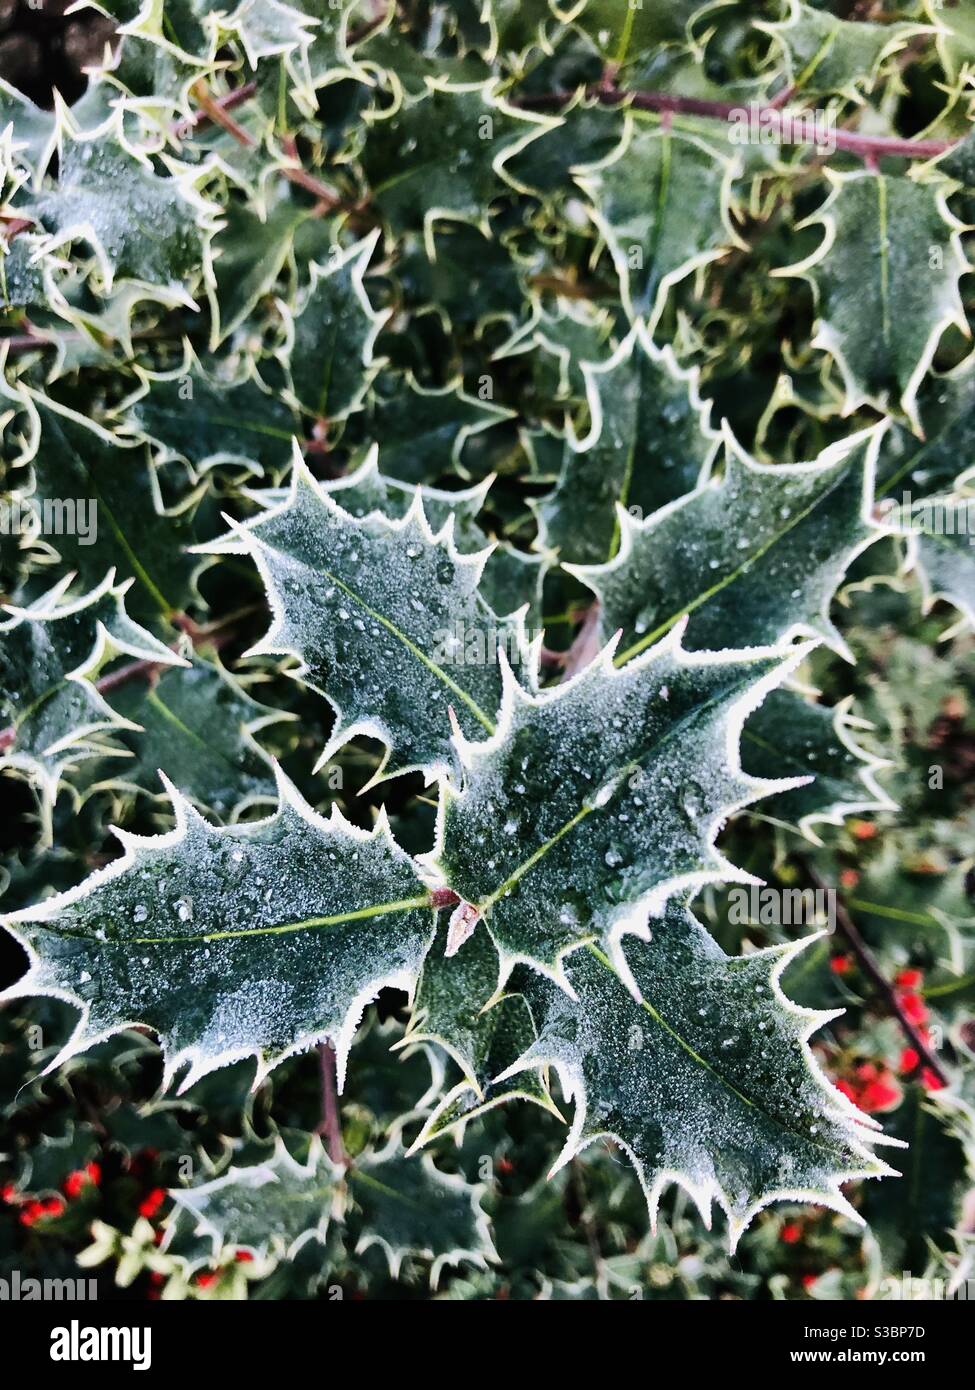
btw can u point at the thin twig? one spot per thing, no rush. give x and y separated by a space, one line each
330 1125
871 969
771 117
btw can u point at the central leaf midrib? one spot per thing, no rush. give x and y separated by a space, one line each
738 571
699 710
401 636
709 1067
280 929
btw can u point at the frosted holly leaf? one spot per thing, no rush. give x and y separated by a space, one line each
406 69
661 200
140 226
648 443
758 553
882 320
932 461
117 517
52 715
942 550
826 55
243 260
185 29
423 432
935 1171
366 490
252 940
33 133
955 28
327 57
209 421
412 1210
790 734
385 619
511 578
266 28
563 342
454 1008
600 798
629 33
414 184
333 333
706 1080
268 1209
199 728
24 270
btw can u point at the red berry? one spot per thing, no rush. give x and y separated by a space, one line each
909 979
846 1089
74 1182
791 1233
863 829
205 1279
243 1257
930 1081
879 1095
909 1060
914 1007
841 965
849 878
151 1204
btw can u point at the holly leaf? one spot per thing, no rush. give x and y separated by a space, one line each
52 714
142 227
208 421
791 734
936 1175
942 550
409 1208
629 33
332 335
200 730
882 322
597 800
758 553
705 1079
932 461
244 260
268 1209
126 527
455 1009
648 443
232 942
422 431
414 185
826 55
385 619
660 200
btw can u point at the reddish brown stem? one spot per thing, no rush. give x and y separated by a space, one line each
330 1125
443 897
770 115
848 928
